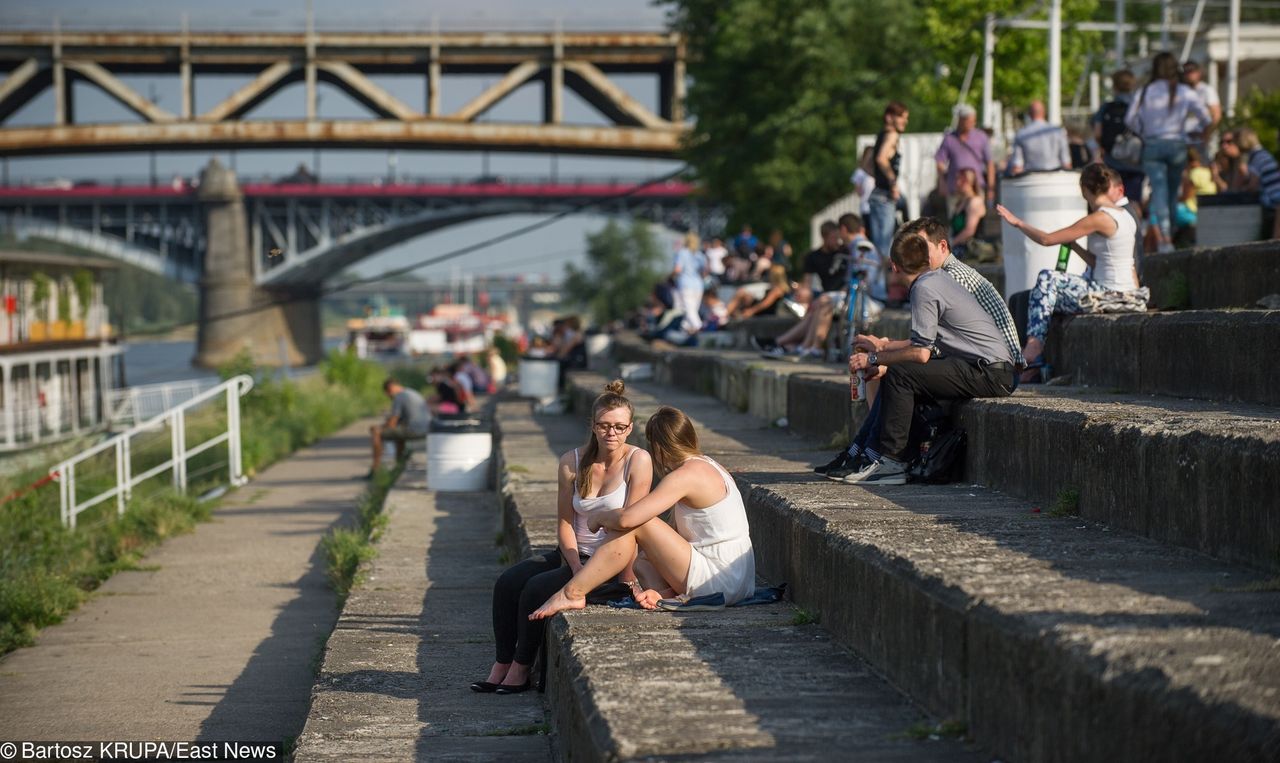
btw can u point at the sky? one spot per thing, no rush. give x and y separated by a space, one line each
544 252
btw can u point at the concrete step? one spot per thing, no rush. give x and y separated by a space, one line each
1207 354
1198 474
1051 638
754 683
1229 276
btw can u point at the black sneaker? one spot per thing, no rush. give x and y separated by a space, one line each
853 467
839 462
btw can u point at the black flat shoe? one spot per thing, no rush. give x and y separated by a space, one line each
509 689
483 687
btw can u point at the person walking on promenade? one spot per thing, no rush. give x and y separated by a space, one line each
882 206
408 420
603 475
709 549
1159 115
689 272
1039 146
1112 233
1108 126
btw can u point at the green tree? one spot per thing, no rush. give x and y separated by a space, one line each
954 30
782 88
622 266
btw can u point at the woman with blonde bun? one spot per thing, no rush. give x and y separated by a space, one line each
709 549
604 474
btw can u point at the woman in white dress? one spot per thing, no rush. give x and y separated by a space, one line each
709 549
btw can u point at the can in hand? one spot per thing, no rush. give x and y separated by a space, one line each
857 384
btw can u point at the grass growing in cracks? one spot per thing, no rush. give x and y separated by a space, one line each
347 548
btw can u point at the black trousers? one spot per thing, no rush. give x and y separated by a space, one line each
939 379
520 590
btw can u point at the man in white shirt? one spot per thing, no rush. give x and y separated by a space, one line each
1039 146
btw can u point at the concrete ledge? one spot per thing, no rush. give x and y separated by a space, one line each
1202 475
1053 639
739 684
1207 354
1229 276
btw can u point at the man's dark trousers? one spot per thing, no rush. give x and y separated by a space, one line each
939 379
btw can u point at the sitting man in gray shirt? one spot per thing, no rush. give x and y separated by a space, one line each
956 350
408 420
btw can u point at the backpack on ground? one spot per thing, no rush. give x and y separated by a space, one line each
936 445
941 459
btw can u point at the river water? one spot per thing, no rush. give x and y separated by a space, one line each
155 362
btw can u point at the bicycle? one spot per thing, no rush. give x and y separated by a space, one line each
857 297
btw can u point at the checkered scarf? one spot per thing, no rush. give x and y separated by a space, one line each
991 301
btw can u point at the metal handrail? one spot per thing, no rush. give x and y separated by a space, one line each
65 472
129 404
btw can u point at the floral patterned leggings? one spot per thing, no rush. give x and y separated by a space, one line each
1055 292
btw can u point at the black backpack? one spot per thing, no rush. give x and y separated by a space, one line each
936 446
1111 117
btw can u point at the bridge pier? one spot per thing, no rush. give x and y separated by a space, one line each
275 326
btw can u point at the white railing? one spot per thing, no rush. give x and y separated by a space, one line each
130 405
180 452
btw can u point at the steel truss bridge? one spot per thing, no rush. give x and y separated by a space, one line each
33 62
300 233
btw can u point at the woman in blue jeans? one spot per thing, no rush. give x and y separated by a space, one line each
1159 114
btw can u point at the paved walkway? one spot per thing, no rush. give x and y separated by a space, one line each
220 642
411 639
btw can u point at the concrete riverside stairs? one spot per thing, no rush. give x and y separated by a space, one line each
751 683
1201 474
413 635
215 638
1050 638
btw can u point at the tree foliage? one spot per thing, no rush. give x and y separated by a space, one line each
782 88
622 265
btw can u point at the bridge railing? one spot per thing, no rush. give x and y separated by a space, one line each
109 467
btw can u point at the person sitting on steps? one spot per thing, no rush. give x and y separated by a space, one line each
1111 235
408 420
708 551
603 475
956 350
826 266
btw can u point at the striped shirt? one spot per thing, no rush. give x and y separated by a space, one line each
991 301
1263 164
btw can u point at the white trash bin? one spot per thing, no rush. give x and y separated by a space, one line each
599 347
459 455
539 377
1045 200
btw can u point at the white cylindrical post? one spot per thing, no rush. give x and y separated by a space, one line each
1233 59
1120 34
1095 91
988 66
1055 62
69 477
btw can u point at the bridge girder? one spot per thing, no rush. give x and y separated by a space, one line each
578 62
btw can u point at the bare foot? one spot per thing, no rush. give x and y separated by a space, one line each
559 602
498 672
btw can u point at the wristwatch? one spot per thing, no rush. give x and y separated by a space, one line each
873 359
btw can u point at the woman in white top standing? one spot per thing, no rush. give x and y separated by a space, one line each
604 474
709 549
1112 234
1159 114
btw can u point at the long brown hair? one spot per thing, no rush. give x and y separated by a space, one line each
672 438
612 397
1165 67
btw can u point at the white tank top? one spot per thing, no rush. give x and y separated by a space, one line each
724 520
582 507
1113 270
